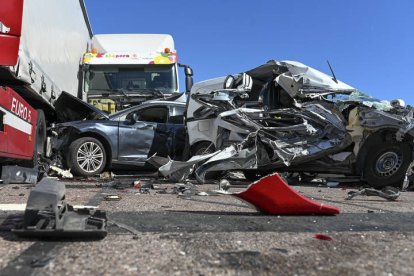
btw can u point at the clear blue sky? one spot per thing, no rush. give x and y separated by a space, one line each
369 43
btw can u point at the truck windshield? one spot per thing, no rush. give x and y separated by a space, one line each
131 79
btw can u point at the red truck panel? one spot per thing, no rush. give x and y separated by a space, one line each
9 50
11 15
18 126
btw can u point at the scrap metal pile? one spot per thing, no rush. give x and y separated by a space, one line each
308 122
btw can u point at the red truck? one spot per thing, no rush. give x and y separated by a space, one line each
41 48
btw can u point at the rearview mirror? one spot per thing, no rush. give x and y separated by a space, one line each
132 118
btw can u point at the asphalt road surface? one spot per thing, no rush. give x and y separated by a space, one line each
171 234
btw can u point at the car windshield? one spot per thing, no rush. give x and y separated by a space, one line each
359 97
136 79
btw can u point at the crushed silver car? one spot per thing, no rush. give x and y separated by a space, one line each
288 117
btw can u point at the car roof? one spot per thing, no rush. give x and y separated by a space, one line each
162 102
146 104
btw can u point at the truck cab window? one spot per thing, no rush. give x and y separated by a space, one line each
108 79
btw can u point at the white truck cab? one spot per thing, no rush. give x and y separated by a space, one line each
126 69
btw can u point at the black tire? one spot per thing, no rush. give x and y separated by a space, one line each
386 164
86 157
206 148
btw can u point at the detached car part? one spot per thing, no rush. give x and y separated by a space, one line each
47 215
389 193
272 195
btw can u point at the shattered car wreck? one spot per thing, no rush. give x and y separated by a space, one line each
302 121
89 140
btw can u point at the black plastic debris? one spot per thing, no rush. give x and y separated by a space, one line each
47 215
18 174
389 193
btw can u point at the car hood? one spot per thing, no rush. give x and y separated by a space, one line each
70 108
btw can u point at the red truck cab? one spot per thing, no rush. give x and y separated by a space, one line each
17 126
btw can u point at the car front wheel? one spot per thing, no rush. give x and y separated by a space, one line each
86 156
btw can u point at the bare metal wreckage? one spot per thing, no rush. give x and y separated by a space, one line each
288 117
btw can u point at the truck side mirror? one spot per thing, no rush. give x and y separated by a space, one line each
188 71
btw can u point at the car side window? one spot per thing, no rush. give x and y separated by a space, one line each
154 114
177 115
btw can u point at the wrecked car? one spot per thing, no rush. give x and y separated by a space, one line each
90 141
288 117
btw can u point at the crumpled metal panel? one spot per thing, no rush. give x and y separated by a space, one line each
177 170
321 119
373 119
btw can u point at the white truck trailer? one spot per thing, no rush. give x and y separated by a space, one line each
41 48
126 69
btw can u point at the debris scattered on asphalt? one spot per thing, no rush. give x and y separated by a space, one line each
322 237
107 175
224 185
21 175
332 184
116 184
47 215
272 195
389 193
56 171
137 184
41 262
125 227
112 198
89 207
12 221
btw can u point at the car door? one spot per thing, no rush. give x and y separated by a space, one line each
137 133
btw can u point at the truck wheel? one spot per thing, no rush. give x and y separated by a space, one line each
86 156
386 164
